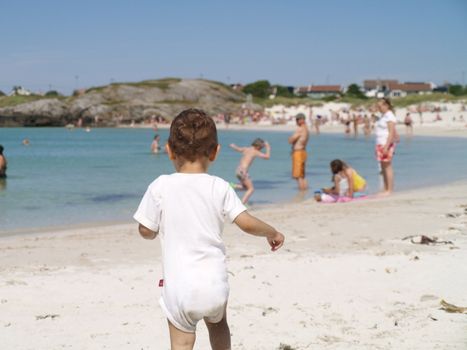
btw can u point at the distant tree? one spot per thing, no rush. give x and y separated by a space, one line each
2 93
457 90
260 88
354 91
283 91
52 93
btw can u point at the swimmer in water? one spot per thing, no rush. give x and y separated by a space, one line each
3 163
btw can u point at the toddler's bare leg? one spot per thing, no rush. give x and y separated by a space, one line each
240 186
180 340
219 334
249 190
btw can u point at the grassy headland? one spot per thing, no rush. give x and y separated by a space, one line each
10 101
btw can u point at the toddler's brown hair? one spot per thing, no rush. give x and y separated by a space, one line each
193 135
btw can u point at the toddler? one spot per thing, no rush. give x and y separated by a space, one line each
187 208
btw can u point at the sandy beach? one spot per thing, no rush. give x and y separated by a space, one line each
345 279
427 129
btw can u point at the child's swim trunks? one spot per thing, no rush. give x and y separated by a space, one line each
242 174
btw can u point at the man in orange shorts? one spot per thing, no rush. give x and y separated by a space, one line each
299 141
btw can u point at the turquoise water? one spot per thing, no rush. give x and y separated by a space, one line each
73 177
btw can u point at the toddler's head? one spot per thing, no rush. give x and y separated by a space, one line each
193 136
258 143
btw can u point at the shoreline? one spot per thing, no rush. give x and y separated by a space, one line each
270 206
425 130
428 129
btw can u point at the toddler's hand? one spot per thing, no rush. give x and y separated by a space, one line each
276 242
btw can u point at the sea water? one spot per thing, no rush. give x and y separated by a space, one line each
71 177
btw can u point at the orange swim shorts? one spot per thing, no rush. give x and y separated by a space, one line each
298 164
381 157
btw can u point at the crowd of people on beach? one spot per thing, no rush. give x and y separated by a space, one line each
355 120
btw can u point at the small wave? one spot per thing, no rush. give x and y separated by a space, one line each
31 207
111 197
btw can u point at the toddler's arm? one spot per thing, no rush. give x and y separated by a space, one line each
256 227
146 233
236 148
267 154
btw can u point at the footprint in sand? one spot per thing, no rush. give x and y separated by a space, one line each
268 311
15 283
330 339
452 215
428 297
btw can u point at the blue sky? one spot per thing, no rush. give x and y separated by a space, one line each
69 44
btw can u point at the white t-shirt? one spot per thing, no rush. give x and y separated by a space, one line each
188 211
343 186
382 130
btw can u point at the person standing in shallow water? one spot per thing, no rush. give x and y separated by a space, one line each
408 124
3 164
155 147
386 138
299 141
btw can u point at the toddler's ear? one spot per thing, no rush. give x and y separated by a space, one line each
169 152
215 153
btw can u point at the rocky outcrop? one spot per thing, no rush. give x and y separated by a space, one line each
46 112
125 103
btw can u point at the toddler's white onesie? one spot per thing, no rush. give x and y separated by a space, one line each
188 211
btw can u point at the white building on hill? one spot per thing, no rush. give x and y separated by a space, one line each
20 91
